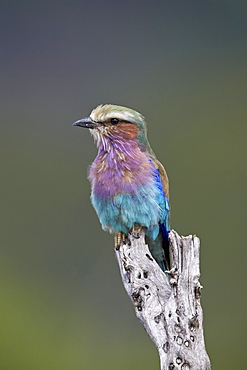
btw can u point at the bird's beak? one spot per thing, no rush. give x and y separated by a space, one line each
86 122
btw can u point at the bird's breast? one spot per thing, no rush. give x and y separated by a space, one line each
122 170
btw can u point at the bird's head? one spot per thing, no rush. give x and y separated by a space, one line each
116 123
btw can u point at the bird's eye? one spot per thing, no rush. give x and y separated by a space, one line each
114 121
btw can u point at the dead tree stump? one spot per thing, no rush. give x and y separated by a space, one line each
168 306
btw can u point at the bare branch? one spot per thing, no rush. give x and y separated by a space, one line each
168 306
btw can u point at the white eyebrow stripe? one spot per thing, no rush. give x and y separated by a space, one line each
103 113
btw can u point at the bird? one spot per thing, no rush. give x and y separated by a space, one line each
129 186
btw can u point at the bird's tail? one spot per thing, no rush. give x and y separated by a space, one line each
159 248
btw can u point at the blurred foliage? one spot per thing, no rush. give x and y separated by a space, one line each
182 65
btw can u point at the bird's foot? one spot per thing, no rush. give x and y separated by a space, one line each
120 238
136 231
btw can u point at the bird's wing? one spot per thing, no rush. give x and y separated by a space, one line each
163 175
160 247
163 186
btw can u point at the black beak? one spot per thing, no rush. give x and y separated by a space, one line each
86 122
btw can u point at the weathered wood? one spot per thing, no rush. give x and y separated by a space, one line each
167 306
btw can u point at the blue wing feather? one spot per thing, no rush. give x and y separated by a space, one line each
163 202
160 246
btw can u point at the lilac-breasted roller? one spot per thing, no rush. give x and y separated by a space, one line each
130 189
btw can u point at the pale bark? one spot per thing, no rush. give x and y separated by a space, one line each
168 306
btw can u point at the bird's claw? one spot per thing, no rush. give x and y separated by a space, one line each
136 231
120 238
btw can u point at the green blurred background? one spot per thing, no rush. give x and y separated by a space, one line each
183 65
